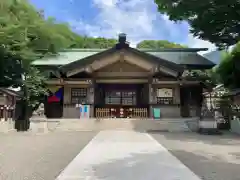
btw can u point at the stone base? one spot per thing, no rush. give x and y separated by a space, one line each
208 124
208 127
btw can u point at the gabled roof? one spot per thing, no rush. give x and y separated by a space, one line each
182 56
11 92
186 58
215 56
89 59
174 59
160 60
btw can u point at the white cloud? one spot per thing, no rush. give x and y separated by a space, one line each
139 19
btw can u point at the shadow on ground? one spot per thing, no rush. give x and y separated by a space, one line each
208 168
137 166
211 157
223 139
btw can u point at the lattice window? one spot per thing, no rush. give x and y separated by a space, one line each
129 98
79 95
165 96
120 97
113 97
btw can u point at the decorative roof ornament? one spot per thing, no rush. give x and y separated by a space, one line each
122 43
122 37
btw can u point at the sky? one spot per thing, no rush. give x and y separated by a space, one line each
139 19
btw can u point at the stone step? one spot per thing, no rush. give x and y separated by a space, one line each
112 124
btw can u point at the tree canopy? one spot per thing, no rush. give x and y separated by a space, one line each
214 20
228 70
26 35
158 44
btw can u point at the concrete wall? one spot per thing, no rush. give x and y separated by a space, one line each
73 112
235 126
70 110
167 111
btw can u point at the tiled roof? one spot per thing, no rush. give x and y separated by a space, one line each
11 92
185 56
65 57
215 56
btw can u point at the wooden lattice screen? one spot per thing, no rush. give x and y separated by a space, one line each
131 113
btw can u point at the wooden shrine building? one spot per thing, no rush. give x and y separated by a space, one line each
8 101
124 82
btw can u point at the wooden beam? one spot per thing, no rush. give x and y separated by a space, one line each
122 81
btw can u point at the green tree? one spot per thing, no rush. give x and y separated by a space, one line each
158 44
214 20
95 43
24 36
209 77
228 70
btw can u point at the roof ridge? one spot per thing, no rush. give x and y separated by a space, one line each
140 49
173 49
83 50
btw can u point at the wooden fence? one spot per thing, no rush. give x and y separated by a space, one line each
6 113
121 113
138 113
103 113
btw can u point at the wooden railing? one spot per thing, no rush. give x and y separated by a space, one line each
139 113
103 113
121 113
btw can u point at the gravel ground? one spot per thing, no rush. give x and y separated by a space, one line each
210 157
30 156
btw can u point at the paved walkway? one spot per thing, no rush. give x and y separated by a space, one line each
128 155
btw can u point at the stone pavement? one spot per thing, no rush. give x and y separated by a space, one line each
128 155
215 157
29 156
35 155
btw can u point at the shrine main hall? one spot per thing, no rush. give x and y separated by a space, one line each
124 82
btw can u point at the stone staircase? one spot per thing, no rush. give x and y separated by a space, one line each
142 125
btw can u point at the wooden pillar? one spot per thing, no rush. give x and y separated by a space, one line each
184 101
91 96
151 96
5 111
151 92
